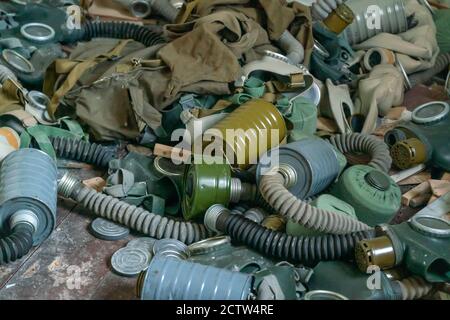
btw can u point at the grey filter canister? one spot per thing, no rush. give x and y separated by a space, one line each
313 165
168 278
374 17
29 184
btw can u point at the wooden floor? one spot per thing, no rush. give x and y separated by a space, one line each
73 264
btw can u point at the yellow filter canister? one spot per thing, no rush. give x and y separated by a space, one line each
409 153
339 19
247 133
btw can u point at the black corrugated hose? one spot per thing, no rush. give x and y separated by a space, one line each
117 30
295 249
83 151
16 245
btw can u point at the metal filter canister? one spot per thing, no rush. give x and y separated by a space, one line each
339 19
253 123
172 279
384 15
29 183
205 185
314 162
374 195
408 153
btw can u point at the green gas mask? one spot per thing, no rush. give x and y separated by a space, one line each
424 139
419 245
31 44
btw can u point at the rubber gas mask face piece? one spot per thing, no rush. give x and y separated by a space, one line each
424 140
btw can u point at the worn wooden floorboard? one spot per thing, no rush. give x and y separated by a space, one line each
6 272
114 287
70 264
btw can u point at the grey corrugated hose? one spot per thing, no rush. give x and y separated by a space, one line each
292 47
133 217
273 189
414 288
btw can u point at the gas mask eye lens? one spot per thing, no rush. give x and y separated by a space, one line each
431 113
433 226
17 61
37 32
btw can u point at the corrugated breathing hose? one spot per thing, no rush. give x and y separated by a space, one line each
442 63
138 219
17 244
118 30
280 245
360 143
414 288
274 189
82 151
292 47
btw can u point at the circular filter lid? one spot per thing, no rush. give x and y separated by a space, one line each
143 243
431 112
172 248
107 230
130 262
378 180
37 32
17 61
